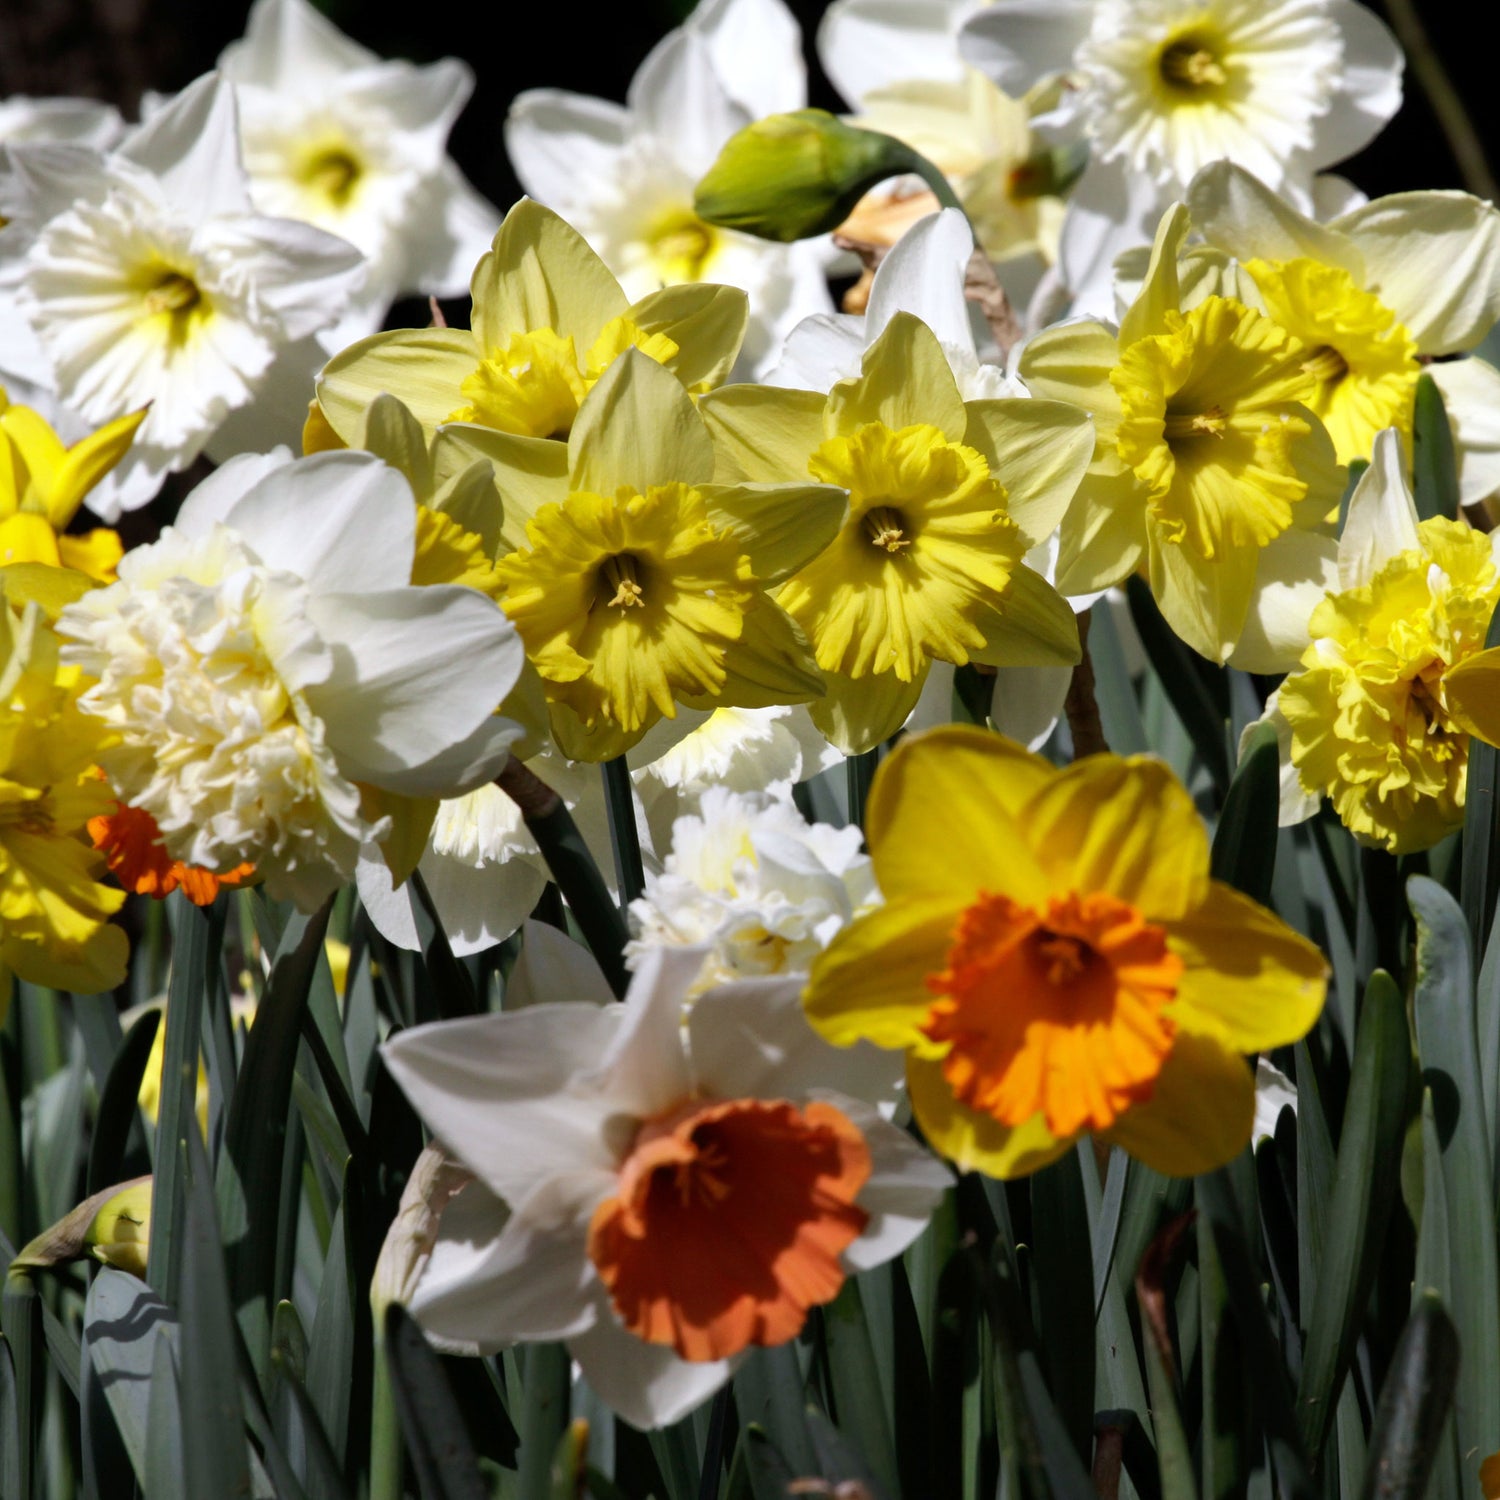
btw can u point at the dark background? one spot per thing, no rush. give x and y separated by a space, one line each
116 49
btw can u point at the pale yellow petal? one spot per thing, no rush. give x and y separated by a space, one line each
906 380
1031 626
424 368
706 322
1040 451
763 433
972 1141
779 527
858 713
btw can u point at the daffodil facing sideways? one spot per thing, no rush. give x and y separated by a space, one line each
43 484
664 1197
946 498
1054 960
1374 297
1394 677
637 582
266 672
148 277
549 319
1209 468
54 913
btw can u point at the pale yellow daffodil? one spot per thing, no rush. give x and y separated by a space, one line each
549 319
1209 468
1054 960
636 581
44 482
1372 296
946 497
54 914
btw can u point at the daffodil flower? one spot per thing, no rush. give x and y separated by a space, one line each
54 913
1055 961
43 484
1373 296
267 662
1208 466
1393 676
342 139
947 496
549 320
149 278
663 1197
637 582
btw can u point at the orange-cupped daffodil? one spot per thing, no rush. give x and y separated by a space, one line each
1055 960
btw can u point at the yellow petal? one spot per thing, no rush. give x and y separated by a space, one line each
1124 827
1248 976
96 554
1472 692
976 1142
944 817
49 587
1205 600
425 368
27 538
1039 450
762 432
706 322
529 472
858 713
870 984
1160 291
1071 362
906 381
1200 1114
86 463
779 527
1030 626
1103 536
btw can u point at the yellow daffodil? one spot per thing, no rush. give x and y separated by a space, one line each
1371 296
638 583
1394 678
1209 467
1055 960
946 497
43 482
549 319
54 914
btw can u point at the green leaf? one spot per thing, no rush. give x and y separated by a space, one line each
1448 1043
10 1426
1173 1453
331 1348
1480 876
21 1320
1244 848
545 1398
1364 1189
195 960
1315 1171
1434 469
840 1461
165 1478
768 1393
1119 712
1064 1279
117 1103
452 989
254 1154
619 802
858 1399
1407 1436
214 1452
1226 1439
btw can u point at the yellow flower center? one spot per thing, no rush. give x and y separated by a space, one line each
174 308
682 246
1057 1010
1208 427
927 544
625 603
1362 361
1371 727
331 172
536 383
1191 64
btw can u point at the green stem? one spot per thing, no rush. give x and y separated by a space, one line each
942 189
620 801
859 772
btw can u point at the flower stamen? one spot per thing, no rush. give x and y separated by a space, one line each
886 528
620 573
1189 65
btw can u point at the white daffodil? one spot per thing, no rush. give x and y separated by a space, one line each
481 866
871 45
151 279
624 175
1160 88
754 882
1374 296
340 138
661 1196
82 122
267 660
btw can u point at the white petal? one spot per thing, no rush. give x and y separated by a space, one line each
1471 393
343 521
500 1091
1274 1092
275 416
647 1384
1108 213
677 97
1334 196
1382 520
192 148
1019 42
1237 212
756 47
819 352
1435 259
924 275
386 906
418 671
213 499
553 967
1028 701
1369 85
561 142
752 1040
1293 574
646 1071
290 42
866 45
533 1280
453 227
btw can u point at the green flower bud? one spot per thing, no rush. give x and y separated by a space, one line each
788 177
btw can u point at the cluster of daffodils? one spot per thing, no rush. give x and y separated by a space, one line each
660 569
